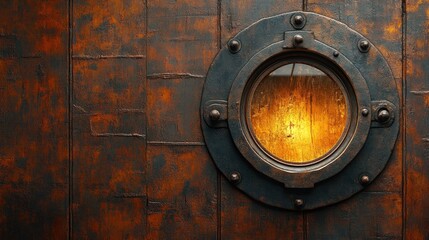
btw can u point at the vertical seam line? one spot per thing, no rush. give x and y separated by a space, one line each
218 178
145 166
404 119
70 117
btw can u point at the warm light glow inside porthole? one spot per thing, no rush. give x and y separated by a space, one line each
298 113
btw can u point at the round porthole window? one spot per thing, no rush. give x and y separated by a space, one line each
293 115
297 113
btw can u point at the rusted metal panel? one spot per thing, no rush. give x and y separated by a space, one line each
109 194
245 218
368 215
109 120
109 86
182 38
110 29
360 17
182 196
379 21
237 15
182 181
33 120
171 116
382 24
417 115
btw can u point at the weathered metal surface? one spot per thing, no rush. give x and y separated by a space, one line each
182 196
181 179
34 154
109 194
381 22
360 17
367 215
416 182
105 143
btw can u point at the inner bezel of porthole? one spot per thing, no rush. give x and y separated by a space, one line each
323 64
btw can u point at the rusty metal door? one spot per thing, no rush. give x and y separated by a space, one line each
100 129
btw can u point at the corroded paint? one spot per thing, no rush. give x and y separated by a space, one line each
171 117
109 119
181 205
34 154
416 164
363 17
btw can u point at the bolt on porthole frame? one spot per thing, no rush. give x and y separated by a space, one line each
343 54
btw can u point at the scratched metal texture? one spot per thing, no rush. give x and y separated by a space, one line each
100 132
34 126
416 182
377 212
108 62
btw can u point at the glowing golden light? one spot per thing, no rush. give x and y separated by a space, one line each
298 113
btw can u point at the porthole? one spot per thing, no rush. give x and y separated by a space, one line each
292 114
296 112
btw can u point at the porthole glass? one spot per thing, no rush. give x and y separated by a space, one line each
297 113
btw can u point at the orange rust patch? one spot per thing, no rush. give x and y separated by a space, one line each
102 123
164 95
414 6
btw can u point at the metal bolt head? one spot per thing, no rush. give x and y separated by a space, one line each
298 39
365 112
298 19
383 115
364 179
214 115
235 177
336 53
299 203
234 46
363 46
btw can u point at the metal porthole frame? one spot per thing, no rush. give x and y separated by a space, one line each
370 86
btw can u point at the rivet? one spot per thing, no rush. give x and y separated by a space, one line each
299 203
298 21
336 54
365 112
383 115
363 46
298 39
235 177
214 115
234 46
364 179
